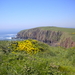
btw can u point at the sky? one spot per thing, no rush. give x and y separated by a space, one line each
16 15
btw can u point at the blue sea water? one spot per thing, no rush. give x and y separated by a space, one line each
7 36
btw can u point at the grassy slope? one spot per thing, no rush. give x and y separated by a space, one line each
70 30
53 61
59 29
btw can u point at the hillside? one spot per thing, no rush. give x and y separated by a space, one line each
32 57
53 36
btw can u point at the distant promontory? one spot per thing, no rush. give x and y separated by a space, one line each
54 36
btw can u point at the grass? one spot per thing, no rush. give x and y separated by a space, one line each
70 30
52 61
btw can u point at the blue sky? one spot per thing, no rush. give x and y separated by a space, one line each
25 14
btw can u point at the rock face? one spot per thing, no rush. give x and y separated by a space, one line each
67 43
47 36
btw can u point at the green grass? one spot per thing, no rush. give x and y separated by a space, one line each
58 29
52 61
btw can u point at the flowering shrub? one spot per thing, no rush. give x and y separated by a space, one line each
29 46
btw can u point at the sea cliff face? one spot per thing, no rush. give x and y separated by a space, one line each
51 37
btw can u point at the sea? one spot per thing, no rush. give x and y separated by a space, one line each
7 36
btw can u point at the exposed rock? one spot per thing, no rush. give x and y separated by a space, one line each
47 36
67 43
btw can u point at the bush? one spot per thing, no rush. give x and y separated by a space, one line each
28 46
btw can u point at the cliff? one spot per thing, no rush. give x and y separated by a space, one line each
53 36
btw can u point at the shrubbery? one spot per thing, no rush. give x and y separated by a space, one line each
28 46
31 57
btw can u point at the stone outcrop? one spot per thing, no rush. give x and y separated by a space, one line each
46 36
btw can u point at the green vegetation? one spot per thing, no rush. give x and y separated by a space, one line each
28 46
14 60
71 30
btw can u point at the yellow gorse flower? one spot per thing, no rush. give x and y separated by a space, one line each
29 46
